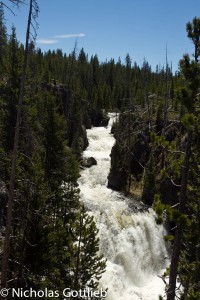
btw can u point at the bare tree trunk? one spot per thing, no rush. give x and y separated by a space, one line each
129 155
6 246
166 97
171 292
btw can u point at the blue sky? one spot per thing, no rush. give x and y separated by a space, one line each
113 28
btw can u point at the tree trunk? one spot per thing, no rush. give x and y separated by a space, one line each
165 117
6 246
77 264
171 292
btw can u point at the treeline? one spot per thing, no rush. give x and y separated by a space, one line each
156 157
105 85
109 85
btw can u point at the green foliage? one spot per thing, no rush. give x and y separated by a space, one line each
47 212
158 206
3 44
193 32
89 266
11 91
168 238
185 213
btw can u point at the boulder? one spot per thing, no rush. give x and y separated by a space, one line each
87 162
117 180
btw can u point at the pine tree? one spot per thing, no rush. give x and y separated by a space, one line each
6 247
89 266
190 70
12 91
3 45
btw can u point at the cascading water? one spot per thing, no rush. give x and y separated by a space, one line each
132 242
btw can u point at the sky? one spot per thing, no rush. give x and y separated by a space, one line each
113 28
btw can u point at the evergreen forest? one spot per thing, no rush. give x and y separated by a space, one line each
47 101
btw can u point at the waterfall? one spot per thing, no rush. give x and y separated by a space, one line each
132 242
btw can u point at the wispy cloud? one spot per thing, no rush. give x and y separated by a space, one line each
46 41
55 40
66 36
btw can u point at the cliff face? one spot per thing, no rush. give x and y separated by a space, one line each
117 178
130 152
134 154
98 117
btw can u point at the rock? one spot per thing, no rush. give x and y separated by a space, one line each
87 162
99 118
83 134
86 120
136 206
105 121
117 180
168 191
140 157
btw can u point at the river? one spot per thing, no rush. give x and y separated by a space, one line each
132 242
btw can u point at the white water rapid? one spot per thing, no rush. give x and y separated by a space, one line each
132 242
